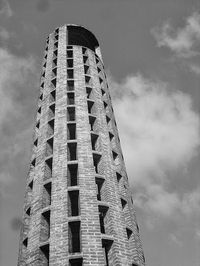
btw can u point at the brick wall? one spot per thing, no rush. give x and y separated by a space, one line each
84 217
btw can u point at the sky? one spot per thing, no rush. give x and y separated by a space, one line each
151 51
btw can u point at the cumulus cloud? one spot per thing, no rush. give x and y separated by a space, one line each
182 41
5 9
17 89
160 133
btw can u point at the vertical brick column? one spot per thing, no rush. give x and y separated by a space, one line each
90 227
59 219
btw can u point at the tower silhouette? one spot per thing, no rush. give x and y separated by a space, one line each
78 206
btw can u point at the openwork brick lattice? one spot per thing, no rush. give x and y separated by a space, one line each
78 208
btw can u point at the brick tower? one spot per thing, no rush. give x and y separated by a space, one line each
78 206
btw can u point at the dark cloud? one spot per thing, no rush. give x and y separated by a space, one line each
16 223
18 92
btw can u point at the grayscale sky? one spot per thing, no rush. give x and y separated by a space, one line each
151 50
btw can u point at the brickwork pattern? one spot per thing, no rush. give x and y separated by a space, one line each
78 207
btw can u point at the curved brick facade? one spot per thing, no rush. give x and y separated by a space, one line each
78 207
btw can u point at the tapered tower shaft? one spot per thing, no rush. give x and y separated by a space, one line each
78 206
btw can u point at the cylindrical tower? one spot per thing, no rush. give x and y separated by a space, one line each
78 206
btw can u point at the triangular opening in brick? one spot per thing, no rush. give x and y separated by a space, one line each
45 251
38 124
97 60
85 59
123 202
92 121
56 37
94 138
102 92
39 110
86 69
118 176
53 81
84 50
35 142
111 136
25 242
107 119
114 155
54 63
55 45
105 104
49 147
96 160
100 80
55 53
88 91
33 162
129 232
53 96
28 211
99 183
42 85
31 184
54 70
87 79
90 104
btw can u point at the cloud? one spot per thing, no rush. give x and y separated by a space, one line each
195 68
160 134
158 121
17 92
175 240
5 9
4 34
182 41
197 235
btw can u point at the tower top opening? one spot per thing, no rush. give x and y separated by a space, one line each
78 35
